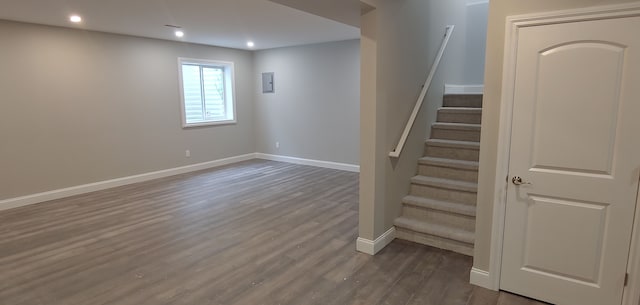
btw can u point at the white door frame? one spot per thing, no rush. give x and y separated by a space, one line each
513 25
632 291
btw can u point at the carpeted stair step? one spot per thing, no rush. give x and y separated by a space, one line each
448 168
435 235
445 206
441 207
462 100
460 115
456 131
439 212
459 150
444 189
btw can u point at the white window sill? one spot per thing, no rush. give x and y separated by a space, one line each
210 123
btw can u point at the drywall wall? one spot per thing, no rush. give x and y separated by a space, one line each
498 11
314 112
80 107
464 64
372 128
408 36
475 31
345 11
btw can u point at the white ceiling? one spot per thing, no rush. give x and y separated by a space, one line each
345 11
227 23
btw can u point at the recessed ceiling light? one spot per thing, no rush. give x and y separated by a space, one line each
179 33
250 44
75 18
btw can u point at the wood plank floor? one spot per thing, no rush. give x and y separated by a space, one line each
256 232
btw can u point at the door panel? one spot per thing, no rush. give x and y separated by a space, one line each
593 113
576 118
582 258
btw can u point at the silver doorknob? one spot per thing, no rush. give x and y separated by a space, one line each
518 181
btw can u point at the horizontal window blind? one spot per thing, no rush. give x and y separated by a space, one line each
214 104
192 90
204 93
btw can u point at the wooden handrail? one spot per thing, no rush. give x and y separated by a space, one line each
405 134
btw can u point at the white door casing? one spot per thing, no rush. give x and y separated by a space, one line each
632 293
490 278
576 96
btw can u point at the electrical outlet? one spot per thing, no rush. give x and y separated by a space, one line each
187 153
277 144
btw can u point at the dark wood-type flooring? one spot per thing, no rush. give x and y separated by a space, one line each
256 232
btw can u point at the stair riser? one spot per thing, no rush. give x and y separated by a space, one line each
434 241
443 194
455 134
452 153
448 173
440 217
467 118
462 101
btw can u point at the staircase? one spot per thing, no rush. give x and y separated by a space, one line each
440 209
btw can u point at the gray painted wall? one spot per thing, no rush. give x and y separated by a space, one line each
79 107
314 112
476 19
463 63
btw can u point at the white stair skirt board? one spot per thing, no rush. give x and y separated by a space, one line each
481 278
318 163
102 185
463 89
372 247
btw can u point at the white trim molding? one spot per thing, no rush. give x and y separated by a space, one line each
463 89
102 185
229 89
372 247
318 163
513 25
107 184
480 278
631 295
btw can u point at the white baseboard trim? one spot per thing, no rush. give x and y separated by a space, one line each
481 278
97 186
372 247
102 185
318 163
463 89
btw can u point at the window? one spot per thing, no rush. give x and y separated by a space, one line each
206 89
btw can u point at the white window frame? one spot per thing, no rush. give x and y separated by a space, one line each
229 91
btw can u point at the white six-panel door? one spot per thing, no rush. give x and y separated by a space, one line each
576 139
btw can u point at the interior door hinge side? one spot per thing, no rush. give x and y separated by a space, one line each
626 279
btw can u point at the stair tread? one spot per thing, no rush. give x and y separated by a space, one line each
440 205
452 163
447 109
466 100
466 97
439 230
463 95
457 126
446 183
453 143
